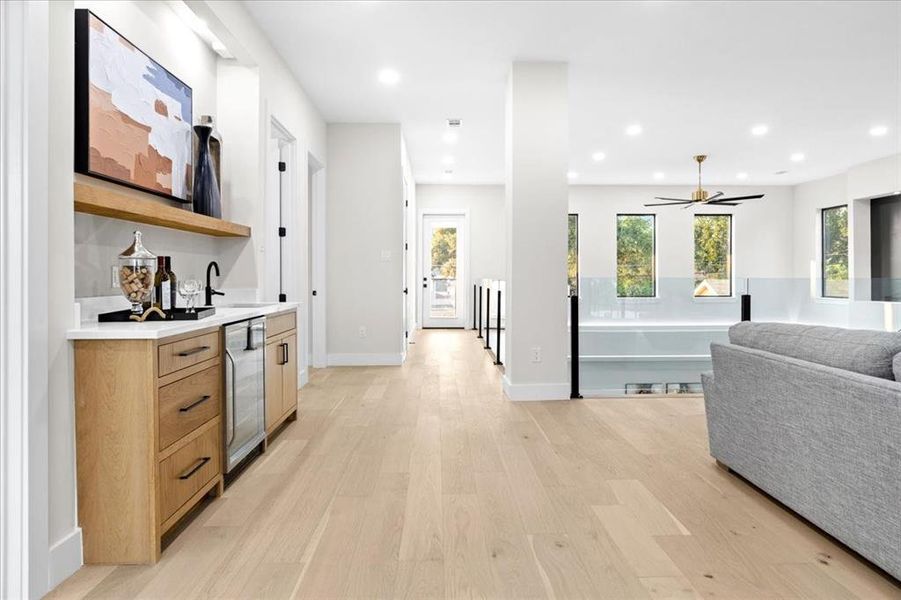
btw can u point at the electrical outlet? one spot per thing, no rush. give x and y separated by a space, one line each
362 332
114 277
536 354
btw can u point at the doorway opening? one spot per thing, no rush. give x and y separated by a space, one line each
280 272
444 297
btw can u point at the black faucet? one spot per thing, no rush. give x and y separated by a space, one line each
210 292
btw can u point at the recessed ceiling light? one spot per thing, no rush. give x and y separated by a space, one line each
741 175
634 129
759 130
878 130
659 175
797 157
448 174
598 156
454 122
572 175
447 160
780 172
389 76
449 137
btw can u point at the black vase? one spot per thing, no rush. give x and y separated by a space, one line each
206 196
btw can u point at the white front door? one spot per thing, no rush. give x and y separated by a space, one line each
444 299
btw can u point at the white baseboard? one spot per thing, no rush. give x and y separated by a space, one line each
304 378
365 360
65 557
535 391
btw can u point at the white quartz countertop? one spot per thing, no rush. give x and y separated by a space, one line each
153 330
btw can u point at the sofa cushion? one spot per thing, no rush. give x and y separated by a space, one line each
859 350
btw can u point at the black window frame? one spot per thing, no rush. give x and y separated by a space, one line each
578 257
654 275
731 252
823 279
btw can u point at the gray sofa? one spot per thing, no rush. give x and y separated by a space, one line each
812 416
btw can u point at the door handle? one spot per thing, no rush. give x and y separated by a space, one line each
231 434
187 474
192 351
194 404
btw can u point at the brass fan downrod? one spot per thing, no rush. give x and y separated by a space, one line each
699 195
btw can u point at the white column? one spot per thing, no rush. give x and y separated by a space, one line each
537 158
24 155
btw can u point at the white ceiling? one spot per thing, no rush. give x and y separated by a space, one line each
696 75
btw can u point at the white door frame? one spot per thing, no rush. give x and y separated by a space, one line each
285 151
422 267
24 400
318 276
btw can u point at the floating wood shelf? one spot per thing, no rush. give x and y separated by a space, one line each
129 206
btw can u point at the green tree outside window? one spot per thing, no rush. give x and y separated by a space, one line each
713 255
835 252
636 275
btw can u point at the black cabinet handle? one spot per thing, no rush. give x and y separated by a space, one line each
196 350
194 404
286 353
187 474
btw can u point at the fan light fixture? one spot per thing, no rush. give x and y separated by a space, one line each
700 195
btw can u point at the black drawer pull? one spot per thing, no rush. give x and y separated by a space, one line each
195 468
194 404
196 350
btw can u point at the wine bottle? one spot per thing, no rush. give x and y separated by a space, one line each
162 289
173 284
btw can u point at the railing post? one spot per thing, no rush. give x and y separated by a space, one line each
488 320
574 346
479 329
474 292
497 349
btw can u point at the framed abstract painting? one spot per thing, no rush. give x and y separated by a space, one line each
133 118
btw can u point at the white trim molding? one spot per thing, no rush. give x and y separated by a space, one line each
520 392
24 156
65 557
366 360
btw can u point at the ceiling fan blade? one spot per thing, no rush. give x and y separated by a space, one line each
727 203
672 199
713 197
669 203
754 197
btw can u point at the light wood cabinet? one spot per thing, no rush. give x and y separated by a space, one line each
281 370
148 439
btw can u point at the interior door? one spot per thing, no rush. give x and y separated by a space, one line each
444 299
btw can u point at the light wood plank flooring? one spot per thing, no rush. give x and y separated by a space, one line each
422 481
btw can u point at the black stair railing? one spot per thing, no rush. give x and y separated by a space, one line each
574 346
497 348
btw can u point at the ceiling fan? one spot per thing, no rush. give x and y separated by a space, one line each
699 196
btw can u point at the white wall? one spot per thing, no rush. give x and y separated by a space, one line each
365 244
856 187
762 229
536 158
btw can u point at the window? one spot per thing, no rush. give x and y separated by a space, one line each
636 269
572 256
713 255
835 252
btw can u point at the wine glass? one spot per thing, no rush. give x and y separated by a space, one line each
189 289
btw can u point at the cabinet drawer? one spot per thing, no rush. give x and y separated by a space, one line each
280 323
187 470
187 404
184 353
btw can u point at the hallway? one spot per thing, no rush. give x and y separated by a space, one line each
423 481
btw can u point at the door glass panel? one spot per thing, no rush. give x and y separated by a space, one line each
443 273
